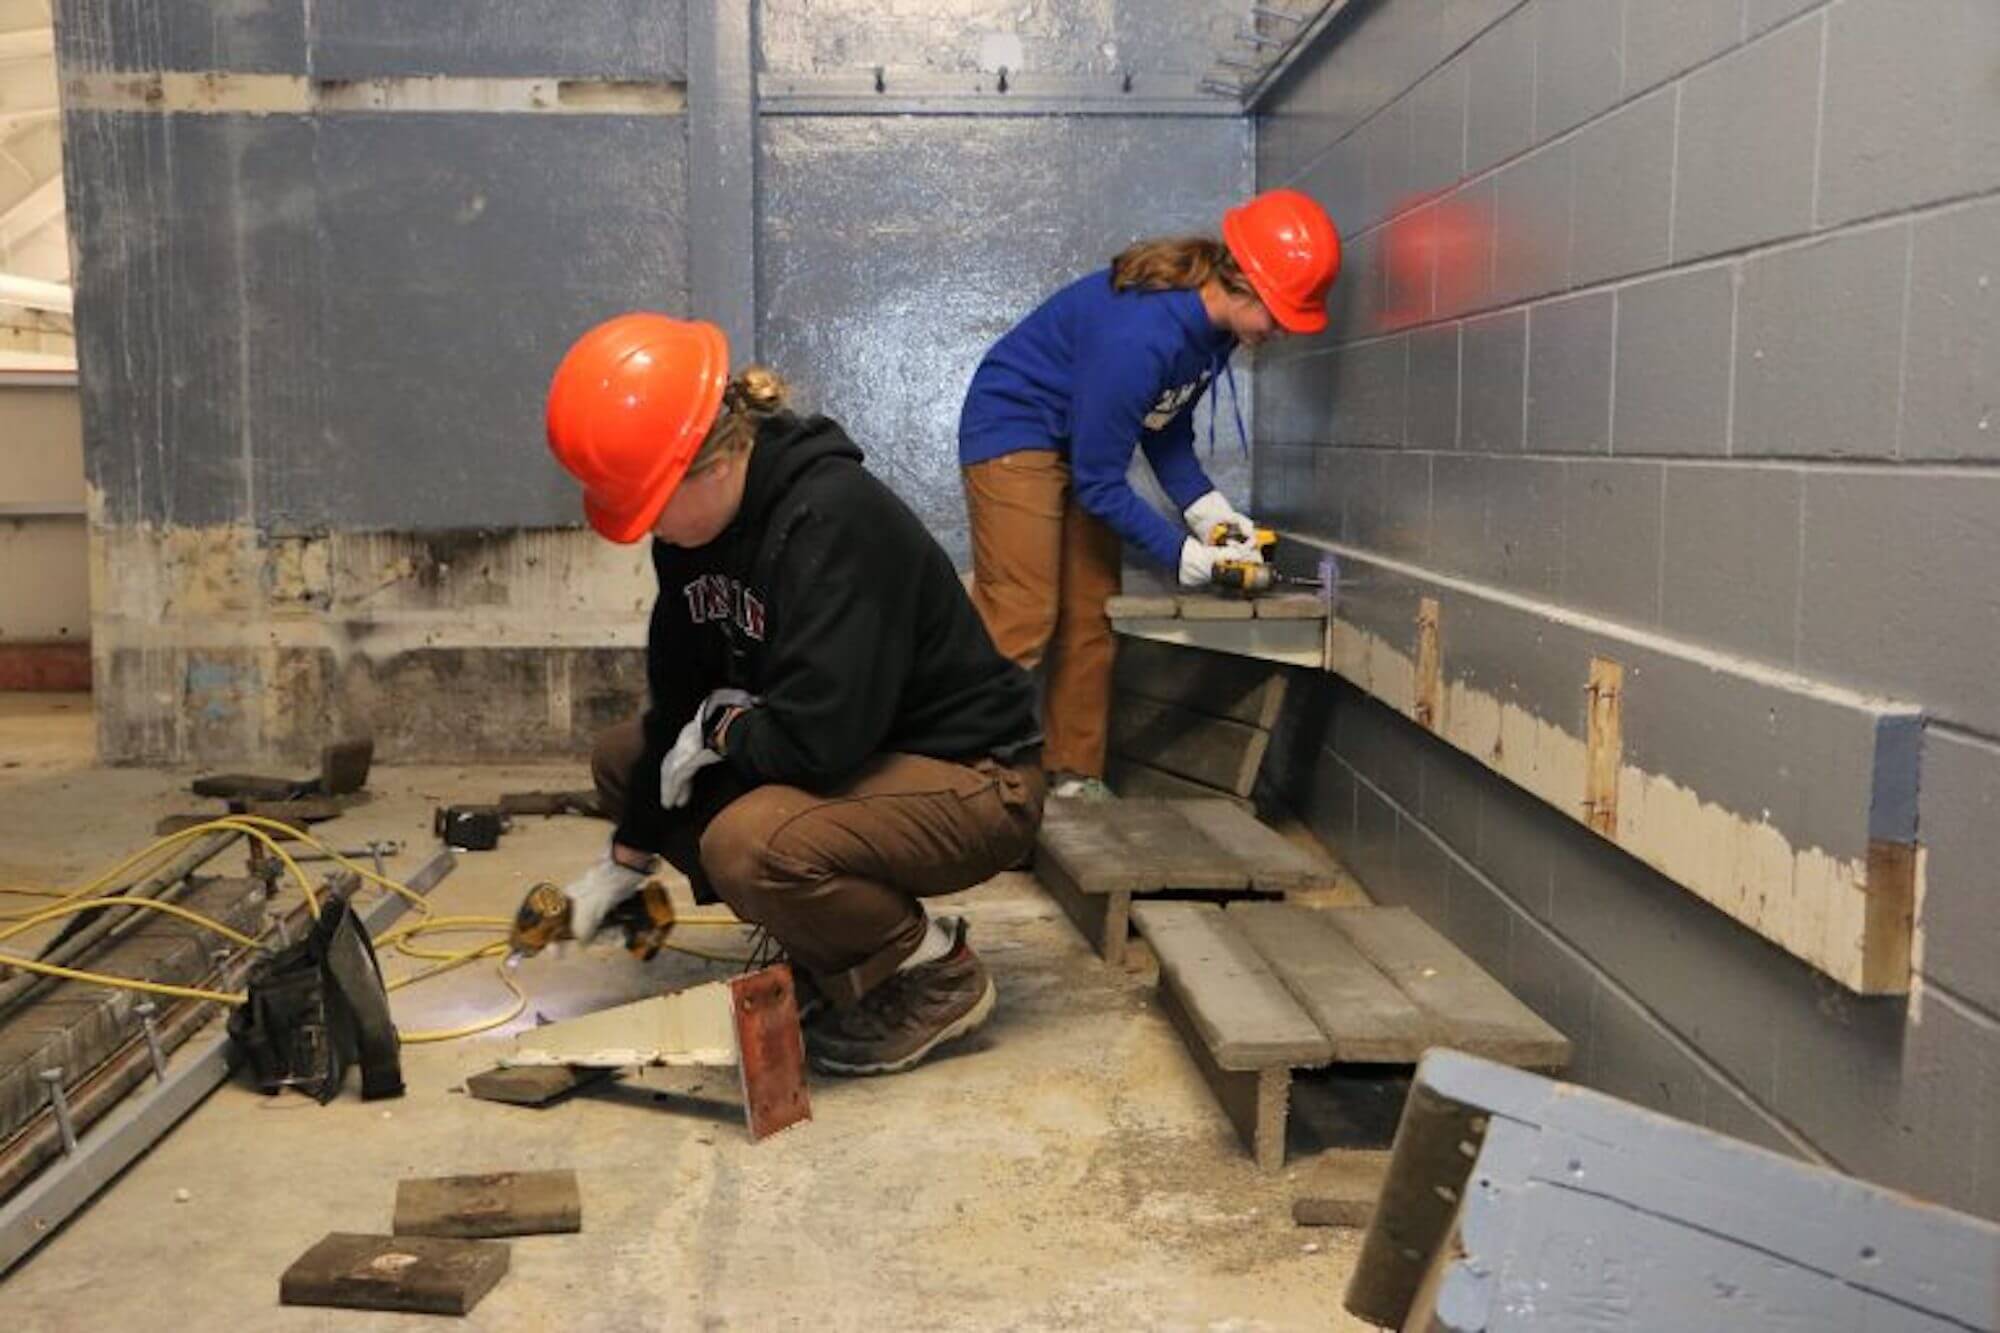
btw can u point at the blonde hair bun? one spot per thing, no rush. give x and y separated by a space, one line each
758 390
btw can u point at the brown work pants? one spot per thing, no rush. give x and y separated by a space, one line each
1042 570
836 876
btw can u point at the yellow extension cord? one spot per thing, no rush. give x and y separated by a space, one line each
88 897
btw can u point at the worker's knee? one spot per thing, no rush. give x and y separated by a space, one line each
736 847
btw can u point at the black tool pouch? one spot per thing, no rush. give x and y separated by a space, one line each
317 1007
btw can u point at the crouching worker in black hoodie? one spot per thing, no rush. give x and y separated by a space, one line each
830 736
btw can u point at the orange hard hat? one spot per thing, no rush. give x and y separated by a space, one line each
1288 248
628 409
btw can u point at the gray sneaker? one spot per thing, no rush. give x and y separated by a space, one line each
906 1017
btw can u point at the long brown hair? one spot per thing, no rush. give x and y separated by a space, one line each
1166 263
754 393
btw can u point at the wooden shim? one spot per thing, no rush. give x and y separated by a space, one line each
1244 1015
1363 1014
1142 606
1289 606
532 1085
1101 918
1242 689
1274 862
1256 1101
1429 707
1474 1013
1604 746
505 1203
418 1274
1136 781
1211 751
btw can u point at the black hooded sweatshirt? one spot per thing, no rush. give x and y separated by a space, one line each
825 597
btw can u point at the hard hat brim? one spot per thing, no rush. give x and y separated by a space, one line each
631 520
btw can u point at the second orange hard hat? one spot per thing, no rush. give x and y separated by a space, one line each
628 409
1289 249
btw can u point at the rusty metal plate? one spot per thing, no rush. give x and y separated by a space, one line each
771 1050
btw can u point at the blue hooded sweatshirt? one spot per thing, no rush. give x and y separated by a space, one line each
1091 373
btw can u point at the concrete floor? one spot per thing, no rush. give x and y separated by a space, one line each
1067 1169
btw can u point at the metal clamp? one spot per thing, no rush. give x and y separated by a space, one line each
59 1103
146 1009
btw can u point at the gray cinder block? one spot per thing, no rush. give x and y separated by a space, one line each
1569 374
1951 366
1437 129
1532 225
1732 558
1612 539
1747 126
1960 916
1493 382
1465 249
1433 388
1672 394
1368 394
1500 91
1667 37
1579 60
1624 192
1817 333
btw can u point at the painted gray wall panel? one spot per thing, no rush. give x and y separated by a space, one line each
1960 823
610 39
1612 539
1531 224
1500 108
879 301
255 36
1052 37
195 243
1667 37
1624 211
1732 559
1569 374
1673 381
1493 382
1433 388
1579 62
463 254
1951 384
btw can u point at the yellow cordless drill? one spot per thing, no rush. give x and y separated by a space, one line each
543 918
1252 575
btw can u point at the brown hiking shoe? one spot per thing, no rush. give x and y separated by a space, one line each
906 1017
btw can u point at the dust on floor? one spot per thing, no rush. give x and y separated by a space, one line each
1065 1169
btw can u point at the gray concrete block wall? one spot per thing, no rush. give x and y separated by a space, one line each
1740 253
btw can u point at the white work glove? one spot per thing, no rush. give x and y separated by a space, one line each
1211 511
691 753
593 894
1198 561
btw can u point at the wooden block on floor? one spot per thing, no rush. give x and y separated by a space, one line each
1133 846
416 1274
1136 781
1290 606
1142 606
532 1085
1242 689
1242 1012
1101 918
1216 607
506 1203
1255 1100
1365 1017
1476 1014
1274 862
1339 1187
1214 752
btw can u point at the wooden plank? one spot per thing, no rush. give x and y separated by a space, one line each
1473 1012
1091 852
1178 855
1289 606
505 1203
1208 750
1888 915
532 1085
1101 918
1147 606
1133 780
1242 689
1292 642
1604 746
1256 1101
1274 862
1365 1017
417 1274
1198 606
1242 1012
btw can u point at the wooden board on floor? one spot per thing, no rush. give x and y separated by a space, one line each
505 1203
418 1274
1243 1013
1274 862
1241 689
1211 751
1136 781
1477 1014
1365 1017
1133 846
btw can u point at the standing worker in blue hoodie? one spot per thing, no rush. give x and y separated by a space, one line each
1115 361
